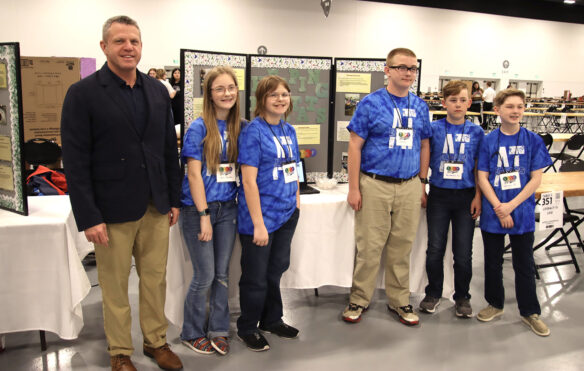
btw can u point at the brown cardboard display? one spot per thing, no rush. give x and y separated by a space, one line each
45 81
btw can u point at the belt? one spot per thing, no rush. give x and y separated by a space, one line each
387 179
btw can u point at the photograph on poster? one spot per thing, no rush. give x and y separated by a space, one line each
3 76
3 119
351 101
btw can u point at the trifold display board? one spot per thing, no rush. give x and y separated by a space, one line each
194 65
310 80
12 178
355 78
324 97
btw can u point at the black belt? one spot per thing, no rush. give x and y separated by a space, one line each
387 179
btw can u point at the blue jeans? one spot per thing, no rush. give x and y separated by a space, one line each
444 206
523 266
261 270
210 261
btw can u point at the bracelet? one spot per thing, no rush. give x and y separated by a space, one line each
205 212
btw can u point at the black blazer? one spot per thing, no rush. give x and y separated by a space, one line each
112 172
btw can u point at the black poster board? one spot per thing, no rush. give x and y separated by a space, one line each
354 79
310 81
194 64
12 175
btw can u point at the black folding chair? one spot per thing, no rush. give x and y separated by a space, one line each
576 142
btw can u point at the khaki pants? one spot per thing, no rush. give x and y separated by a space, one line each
147 240
388 220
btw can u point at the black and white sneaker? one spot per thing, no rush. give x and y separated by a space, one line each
282 330
256 341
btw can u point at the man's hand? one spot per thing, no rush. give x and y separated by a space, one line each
507 222
173 215
97 234
260 236
424 196
354 199
503 209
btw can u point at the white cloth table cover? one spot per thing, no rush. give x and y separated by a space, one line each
42 280
323 252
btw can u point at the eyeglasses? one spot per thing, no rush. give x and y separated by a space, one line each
276 95
221 89
403 69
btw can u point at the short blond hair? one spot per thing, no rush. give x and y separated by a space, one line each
401 51
453 87
502 96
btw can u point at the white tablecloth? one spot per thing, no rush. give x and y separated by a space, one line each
42 280
323 253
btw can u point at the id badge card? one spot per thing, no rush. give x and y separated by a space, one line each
453 170
404 137
510 180
226 172
290 174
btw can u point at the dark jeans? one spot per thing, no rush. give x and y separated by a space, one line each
261 270
444 206
523 265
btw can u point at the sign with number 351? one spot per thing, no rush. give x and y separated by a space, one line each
552 210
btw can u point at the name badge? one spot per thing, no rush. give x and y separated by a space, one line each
510 180
453 170
226 172
404 137
290 174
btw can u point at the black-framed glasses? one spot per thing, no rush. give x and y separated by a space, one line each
404 69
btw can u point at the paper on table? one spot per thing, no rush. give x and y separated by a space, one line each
551 210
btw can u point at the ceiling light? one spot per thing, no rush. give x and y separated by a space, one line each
569 1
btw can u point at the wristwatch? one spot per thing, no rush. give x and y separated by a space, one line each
205 212
424 180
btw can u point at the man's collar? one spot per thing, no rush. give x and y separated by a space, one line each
118 80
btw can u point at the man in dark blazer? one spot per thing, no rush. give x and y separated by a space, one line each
121 161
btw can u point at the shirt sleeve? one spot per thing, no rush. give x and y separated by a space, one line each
193 142
360 121
250 146
426 128
540 158
483 164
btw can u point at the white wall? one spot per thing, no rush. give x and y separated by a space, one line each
449 42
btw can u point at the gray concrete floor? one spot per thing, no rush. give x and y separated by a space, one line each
379 341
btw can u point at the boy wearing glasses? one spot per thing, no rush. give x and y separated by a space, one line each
454 197
389 139
510 167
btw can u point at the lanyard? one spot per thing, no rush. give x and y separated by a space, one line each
457 156
401 123
516 151
278 140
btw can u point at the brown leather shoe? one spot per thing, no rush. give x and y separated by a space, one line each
165 358
121 362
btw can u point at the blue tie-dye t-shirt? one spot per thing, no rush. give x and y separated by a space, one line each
523 152
454 143
267 147
193 148
376 119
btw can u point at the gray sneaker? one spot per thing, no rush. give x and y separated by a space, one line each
429 304
463 308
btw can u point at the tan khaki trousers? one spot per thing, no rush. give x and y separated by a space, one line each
388 220
147 240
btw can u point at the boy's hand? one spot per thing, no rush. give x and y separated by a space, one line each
507 222
475 207
503 209
354 199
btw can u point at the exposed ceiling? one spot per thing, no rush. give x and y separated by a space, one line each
549 10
